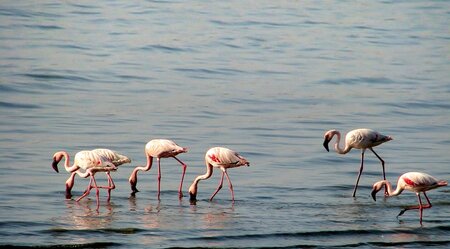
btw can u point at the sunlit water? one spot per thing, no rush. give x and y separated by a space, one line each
264 78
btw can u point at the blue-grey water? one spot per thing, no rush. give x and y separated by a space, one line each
264 78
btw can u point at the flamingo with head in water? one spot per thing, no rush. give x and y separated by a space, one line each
159 148
358 139
116 158
92 163
222 158
413 181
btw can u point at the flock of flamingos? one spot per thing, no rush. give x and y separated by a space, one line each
104 160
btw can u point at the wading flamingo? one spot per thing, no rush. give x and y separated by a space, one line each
92 163
159 148
116 158
222 158
358 139
413 181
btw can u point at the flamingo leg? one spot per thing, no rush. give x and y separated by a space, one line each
231 185
159 178
421 207
218 187
111 185
180 191
359 174
384 171
86 192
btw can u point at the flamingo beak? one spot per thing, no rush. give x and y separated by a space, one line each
55 165
374 194
325 143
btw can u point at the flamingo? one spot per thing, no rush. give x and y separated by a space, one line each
116 158
224 159
413 181
359 139
159 148
92 163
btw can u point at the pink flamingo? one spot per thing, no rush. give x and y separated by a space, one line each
159 148
413 181
222 158
359 139
92 163
116 158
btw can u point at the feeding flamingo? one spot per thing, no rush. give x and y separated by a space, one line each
159 148
413 181
224 159
92 163
116 158
358 139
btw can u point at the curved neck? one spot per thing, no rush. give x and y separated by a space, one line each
147 167
391 192
67 162
209 171
337 145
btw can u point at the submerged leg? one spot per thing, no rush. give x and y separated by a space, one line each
420 207
180 190
159 177
218 187
359 174
231 185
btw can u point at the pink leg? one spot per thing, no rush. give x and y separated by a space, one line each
159 178
384 172
87 191
359 174
218 187
420 207
231 186
111 185
180 190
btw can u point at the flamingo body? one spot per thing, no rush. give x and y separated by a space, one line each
416 182
358 139
222 158
159 148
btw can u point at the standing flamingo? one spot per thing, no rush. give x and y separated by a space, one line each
92 163
224 159
116 158
159 148
413 181
359 139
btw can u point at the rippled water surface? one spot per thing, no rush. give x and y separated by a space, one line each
264 78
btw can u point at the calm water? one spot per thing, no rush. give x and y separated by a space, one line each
264 78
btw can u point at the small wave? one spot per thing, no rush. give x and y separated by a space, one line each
86 245
18 105
41 76
357 80
126 230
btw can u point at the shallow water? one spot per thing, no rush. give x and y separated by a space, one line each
266 79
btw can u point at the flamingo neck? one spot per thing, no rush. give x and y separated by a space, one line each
193 187
147 167
391 192
337 145
67 166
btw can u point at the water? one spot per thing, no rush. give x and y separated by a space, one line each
264 78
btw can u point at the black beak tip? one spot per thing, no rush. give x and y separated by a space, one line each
325 144
374 196
55 166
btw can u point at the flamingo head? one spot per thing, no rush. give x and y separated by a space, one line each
377 187
193 193
56 159
327 138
